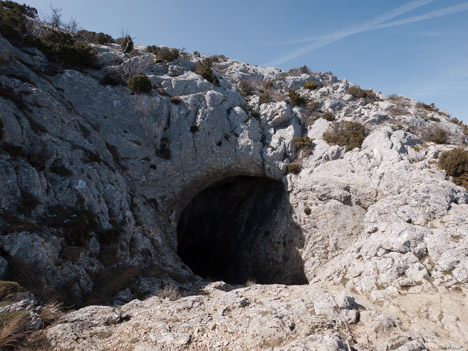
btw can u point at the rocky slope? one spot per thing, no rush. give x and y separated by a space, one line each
95 182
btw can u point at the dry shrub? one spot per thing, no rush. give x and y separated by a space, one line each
426 107
349 134
249 86
169 291
433 134
303 142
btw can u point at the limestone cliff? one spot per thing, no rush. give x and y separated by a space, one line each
107 196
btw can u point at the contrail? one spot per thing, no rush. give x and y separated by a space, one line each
438 13
377 24
358 29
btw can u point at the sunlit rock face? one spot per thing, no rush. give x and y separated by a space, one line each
107 196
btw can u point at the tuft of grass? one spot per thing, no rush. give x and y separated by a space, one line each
170 292
307 210
294 168
13 328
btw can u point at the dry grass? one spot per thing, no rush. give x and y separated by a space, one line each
13 328
51 312
169 291
250 283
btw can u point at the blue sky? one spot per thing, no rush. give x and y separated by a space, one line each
417 48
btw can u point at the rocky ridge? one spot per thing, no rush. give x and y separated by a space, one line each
95 179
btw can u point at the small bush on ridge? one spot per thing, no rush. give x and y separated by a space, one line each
349 134
126 43
357 92
67 50
93 37
167 54
311 85
295 99
206 71
455 164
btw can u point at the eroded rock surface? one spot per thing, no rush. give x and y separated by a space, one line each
94 181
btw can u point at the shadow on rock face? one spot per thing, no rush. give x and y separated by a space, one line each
241 229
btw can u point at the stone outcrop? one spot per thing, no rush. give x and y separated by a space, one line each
94 181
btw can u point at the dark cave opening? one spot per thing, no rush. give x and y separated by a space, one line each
240 229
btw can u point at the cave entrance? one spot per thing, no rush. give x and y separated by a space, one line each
241 229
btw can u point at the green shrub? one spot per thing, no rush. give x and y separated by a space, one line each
357 92
294 167
64 48
140 84
303 142
265 98
13 21
196 53
126 43
206 71
167 54
304 69
455 164
295 99
311 85
93 37
349 134
153 49
307 211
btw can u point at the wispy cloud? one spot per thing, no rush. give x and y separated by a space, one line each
374 24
